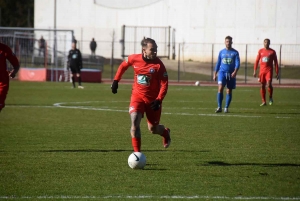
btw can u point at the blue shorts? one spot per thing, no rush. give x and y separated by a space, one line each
224 78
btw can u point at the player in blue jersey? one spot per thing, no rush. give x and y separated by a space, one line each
226 69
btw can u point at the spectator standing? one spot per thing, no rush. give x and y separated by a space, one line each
42 46
93 47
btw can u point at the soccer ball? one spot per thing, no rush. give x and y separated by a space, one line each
137 160
197 83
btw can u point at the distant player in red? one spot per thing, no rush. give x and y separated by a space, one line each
266 56
6 53
148 91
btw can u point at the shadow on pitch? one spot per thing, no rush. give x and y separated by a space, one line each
84 150
112 150
220 163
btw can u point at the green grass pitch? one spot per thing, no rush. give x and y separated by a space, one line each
58 143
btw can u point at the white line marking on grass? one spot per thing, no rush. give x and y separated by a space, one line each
148 196
60 105
185 114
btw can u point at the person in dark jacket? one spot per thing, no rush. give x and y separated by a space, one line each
75 64
93 46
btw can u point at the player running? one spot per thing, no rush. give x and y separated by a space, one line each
6 53
266 56
148 91
227 65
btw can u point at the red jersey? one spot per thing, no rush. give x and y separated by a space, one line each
150 77
266 57
6 53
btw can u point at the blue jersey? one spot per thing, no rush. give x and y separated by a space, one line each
228 61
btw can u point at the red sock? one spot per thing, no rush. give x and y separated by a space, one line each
136 144
270 90
165 133
263 94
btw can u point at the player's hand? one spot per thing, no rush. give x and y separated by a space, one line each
114 86
155 105
277 77
233 75
254 74
12 74
215 78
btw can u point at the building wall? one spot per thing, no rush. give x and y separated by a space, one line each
195 21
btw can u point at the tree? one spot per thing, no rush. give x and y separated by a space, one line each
16 13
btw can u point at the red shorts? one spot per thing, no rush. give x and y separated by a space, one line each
265 77
142 105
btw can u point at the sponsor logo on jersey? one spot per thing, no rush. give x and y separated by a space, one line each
265 59
226 60
143 79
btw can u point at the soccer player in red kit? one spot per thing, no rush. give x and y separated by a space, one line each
6 53
266 56
148 91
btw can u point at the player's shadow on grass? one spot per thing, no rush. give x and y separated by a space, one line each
85 150
109 150
220 163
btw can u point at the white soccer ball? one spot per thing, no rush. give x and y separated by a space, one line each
197 83
137 160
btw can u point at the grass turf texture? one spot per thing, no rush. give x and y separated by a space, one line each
79 148
288 72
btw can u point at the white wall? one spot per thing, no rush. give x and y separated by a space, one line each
195 21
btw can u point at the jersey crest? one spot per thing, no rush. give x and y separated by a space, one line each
151 70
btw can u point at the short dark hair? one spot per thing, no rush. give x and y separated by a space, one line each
145 41
268 40
228 37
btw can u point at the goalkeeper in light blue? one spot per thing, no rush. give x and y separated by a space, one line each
226 69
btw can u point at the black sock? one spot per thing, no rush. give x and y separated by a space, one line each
73 81
79 81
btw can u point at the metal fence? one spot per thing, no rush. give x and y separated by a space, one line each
133 35
201 57
190 61
25 44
